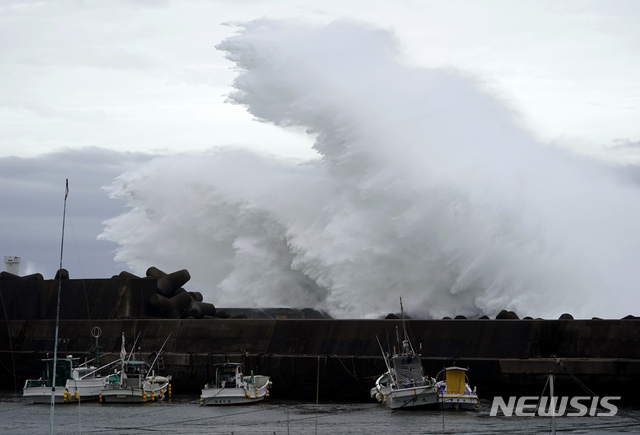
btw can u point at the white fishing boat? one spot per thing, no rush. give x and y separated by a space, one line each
125 386
135 382
73 382
454 391
231 387
404 384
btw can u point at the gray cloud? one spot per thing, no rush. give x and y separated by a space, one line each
32 201
626 143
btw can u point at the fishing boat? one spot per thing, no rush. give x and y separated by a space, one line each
404 384
73 382
454 391
126 385
231 387
135 382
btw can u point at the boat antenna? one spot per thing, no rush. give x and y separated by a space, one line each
404 329
397 341
404 326
55 342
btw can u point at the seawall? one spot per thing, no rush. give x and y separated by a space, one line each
505 357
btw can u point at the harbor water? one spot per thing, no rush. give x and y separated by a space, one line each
183 415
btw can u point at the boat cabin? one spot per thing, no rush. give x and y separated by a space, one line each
64 370
131 376
456 380
408 371
84 372
228 375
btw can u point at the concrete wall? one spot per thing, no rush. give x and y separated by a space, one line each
503 355
439 338
79 299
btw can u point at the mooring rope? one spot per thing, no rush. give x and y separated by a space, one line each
585 388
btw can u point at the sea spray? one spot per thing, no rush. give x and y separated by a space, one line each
424 187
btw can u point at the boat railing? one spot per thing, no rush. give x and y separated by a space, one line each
33 383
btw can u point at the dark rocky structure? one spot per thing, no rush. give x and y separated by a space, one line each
507 356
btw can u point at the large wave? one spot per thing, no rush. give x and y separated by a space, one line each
424 186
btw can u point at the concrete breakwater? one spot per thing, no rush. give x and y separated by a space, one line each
504 357
340 357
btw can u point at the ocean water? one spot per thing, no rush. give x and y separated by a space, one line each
184 415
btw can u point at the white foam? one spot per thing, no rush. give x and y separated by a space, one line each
425 187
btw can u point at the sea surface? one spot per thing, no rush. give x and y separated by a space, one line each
184 415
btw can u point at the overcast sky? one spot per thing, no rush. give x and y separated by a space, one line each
90 89
145 76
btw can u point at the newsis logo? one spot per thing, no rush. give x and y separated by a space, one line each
578 406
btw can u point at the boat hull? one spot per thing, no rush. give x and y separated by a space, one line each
387 393
456 401
73 392
85 389
455 392
150 392
42 395
123 395
232 396
405 398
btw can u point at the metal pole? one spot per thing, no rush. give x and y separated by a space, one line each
552 405
55 342
317 393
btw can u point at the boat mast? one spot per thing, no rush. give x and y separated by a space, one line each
55 342
406 336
